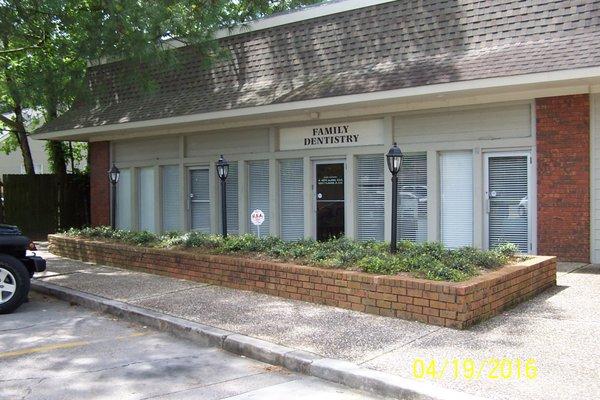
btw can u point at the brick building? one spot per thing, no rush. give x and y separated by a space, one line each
496 106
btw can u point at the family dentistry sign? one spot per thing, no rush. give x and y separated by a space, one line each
331 135
361 133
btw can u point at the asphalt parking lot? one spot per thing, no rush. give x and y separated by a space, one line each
52 350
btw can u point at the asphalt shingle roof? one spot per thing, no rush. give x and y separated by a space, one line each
388 46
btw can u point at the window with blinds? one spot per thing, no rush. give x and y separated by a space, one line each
123 217
508 201
292 199
171 198
370 193
146 199
199 200
412 198
456 195
258 194
233 224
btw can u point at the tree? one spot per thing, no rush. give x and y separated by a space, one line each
31 121
40 69
12 104
45 46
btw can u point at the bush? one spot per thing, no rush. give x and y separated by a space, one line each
507 249
142 238
429 260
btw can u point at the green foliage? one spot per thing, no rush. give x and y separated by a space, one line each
67 153
142 238
383 263
507 249
31 119
427 260
45 46
9 144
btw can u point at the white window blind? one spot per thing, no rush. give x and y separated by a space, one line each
508 201
199 200
171 198
258 194
456 192
123 217
146 199
292 199
412 198
233 225
370 202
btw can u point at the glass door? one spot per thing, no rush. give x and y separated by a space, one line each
199 200
329 199
507 200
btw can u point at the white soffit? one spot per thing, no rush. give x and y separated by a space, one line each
554 81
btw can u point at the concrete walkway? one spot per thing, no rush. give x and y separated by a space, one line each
559 329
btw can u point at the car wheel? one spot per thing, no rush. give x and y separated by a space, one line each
14 284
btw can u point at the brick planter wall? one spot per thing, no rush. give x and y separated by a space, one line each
456 305
563 176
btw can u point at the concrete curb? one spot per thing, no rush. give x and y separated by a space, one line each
342 372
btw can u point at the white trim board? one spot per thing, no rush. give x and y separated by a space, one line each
583 76
594 176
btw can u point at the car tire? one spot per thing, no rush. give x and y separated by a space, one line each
14 277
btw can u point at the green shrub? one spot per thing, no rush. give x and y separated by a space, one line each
507 249
245 243
382 264
318 255
142 238
429 260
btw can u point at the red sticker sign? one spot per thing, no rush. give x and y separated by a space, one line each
257 217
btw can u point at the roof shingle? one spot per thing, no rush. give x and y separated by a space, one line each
388 46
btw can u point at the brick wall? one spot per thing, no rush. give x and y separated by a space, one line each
456 305
99 154
563 176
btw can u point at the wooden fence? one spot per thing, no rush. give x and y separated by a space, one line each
39 204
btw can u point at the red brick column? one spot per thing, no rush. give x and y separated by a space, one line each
563 176
99 153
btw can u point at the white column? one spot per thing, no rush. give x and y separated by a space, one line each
135 202
184 217
213 190
349 196
308 199
387 180
274 196
433 196
478 198
273 140
243 196
157 199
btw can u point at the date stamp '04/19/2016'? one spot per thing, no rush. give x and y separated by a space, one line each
471 369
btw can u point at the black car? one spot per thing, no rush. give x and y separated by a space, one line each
16 267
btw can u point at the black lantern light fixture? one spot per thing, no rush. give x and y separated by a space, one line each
113 177
222 172
394 162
